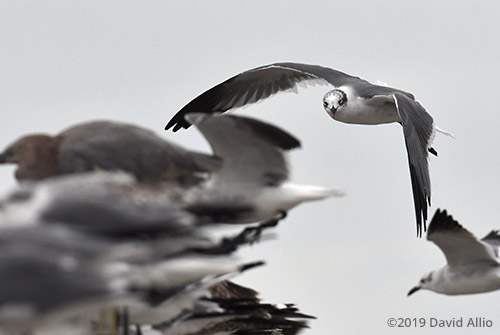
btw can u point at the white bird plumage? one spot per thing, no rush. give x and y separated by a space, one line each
472 265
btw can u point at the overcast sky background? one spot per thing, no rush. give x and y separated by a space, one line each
350 261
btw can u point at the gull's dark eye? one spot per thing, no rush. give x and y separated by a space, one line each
325 104
341 101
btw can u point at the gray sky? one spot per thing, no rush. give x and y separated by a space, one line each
348 261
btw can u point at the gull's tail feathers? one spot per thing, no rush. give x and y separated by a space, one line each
447 133
313 192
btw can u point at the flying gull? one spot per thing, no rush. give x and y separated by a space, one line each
106 145
352 100
472 264
246 179
253 183
114 205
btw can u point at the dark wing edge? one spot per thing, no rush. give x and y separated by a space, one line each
263 130
255 85
418 128
460 246
270 133
493 240
443 222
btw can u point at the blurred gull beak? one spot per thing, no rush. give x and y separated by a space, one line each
3 157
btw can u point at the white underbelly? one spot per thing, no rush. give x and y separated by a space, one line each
372 111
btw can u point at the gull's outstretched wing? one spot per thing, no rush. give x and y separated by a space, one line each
258 84
252 152
418 129
264 81
459 246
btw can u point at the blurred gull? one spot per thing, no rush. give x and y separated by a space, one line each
151 246
353 100
233 309
254 180
46 286
106 145
245 180
472 264
114 205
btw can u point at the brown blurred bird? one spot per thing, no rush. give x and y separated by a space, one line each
106 145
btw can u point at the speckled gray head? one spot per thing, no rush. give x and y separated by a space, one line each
333 100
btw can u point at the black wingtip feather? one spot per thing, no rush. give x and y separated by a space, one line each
442 221
252 265
420 202
177 122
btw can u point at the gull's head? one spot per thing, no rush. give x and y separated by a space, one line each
333 100
425 283
35 156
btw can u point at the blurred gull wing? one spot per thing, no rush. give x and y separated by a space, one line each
252 152
118 146
172 288
254 177
234 309
100 202
52 274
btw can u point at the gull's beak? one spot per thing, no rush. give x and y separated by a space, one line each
413 290
4 157
330 110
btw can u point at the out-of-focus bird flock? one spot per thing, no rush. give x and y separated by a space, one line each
114 230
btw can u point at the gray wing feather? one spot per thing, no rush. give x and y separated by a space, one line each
459 246
255 85
418 127
109 204
252 152
116 146
100 203
44 284
262 82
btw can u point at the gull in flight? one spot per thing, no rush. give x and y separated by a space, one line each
109 146
253 182
245 180
352 100
472 264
